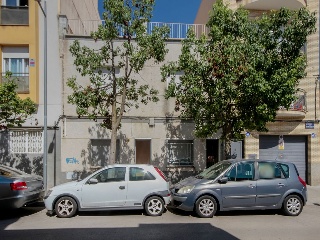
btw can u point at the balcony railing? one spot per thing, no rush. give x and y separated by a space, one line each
177 30
22 80
14 15
297 109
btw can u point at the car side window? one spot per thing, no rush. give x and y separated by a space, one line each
241 171
116 174
269 170
139 174
285 169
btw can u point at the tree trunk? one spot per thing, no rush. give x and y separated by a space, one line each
114 127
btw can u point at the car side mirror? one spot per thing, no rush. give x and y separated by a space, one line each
93 181
223 180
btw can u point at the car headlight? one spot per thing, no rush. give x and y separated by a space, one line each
186 189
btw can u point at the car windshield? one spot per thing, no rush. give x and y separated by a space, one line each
215 170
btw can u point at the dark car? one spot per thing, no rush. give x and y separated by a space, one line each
242 185
18 188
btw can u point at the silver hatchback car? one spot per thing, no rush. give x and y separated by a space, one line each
114 187
242 185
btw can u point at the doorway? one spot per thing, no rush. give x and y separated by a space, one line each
143 151
212 152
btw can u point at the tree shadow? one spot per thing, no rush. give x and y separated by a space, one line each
96 154
187 231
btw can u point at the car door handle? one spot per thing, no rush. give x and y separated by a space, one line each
281 185
122 187
251 186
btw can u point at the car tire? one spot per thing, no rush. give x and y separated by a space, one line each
206 207
292 205
66 207
154 206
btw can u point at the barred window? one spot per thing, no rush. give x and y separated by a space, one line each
180 152
26 141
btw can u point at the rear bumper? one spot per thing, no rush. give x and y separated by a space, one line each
21 200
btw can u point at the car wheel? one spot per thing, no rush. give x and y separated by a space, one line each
66 207
154 206
292 205
206 207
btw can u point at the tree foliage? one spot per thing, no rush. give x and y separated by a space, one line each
127 46
13 110
238 76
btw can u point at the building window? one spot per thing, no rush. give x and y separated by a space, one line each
15 3
16 62
26 142
180 152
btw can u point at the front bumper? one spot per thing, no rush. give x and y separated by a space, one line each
182 202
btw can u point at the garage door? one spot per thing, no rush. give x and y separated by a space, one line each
285 148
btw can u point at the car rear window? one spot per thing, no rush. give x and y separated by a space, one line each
140 174
6 173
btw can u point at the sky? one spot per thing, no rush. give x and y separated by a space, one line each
172 11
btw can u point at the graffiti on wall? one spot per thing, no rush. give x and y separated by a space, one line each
72 160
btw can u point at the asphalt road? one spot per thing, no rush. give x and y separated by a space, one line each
32 223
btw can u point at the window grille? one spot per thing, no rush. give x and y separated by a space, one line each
180 152
26 141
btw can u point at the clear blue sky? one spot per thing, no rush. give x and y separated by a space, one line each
176 11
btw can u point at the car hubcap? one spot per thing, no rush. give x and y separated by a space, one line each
293 205
65 207
155 206
206 207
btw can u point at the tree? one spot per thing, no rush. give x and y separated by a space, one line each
238 76
13 110
109 95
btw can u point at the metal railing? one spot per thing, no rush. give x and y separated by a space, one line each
14 15
299 104
21 79
177 30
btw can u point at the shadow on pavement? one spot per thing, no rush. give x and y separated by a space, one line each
188 231
228 213
15 214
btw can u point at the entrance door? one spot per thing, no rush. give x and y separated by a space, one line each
212 151
143 151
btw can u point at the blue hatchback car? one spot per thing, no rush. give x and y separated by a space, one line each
246 184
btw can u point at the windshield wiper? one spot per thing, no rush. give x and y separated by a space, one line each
199 177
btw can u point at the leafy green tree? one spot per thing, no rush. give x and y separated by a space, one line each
127 46
238 76
13 110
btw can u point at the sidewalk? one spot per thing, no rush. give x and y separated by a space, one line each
313 195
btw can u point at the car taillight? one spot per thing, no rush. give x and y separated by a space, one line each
18 186
302 181
161 174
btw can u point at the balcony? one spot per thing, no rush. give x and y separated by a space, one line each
14 15
266 5
22 80
177 30
297 109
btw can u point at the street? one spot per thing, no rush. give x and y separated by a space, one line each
33 223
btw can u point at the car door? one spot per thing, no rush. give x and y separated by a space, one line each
271 184
110 190
240 190
141 183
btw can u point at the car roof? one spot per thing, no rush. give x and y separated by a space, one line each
255 160
128 165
